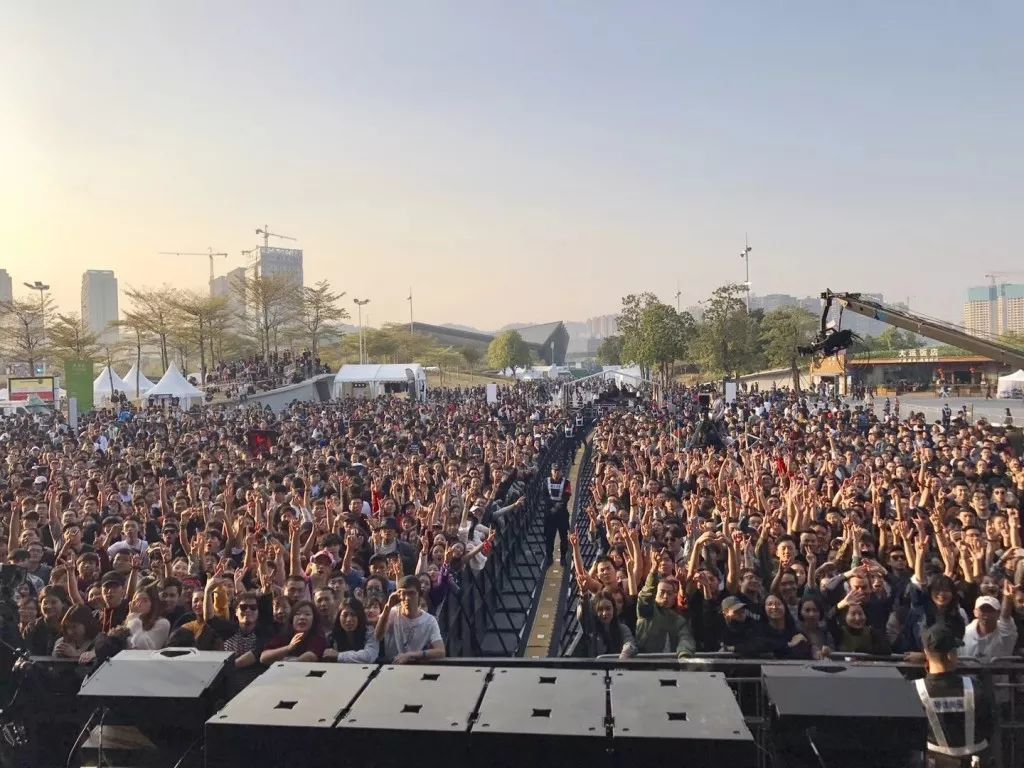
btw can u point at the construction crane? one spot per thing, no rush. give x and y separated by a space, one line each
267 234
829 340
210 253
993 275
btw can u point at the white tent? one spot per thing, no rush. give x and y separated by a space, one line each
375 380
173 384
1011 385
106 382
144 384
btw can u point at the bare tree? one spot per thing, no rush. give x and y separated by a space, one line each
23 336
154 309
70 337
271 303
197 317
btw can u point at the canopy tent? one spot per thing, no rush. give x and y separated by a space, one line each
376 380
107 382
172 385
130 380
1011 385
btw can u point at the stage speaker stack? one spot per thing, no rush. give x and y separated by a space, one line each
286 717
542 717
677 718
843 715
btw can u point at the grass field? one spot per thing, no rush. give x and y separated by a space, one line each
463 379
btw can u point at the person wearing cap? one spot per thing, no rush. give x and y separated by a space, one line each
993 633
959 708
556 514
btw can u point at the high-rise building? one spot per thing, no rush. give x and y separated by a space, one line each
283 262
225 286
992 310
99 303
602 326
6 289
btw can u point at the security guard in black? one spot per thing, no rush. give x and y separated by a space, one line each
556 514
958 707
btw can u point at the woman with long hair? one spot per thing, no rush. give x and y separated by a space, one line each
603 632
54 602
148 629
352 639
79 628
780 633
305 642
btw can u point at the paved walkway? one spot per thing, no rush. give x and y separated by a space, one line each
539 646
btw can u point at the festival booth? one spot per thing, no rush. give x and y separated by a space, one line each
135 378
370 381
107 383
1011 385
173 389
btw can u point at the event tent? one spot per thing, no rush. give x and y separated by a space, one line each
1011 385
173 384
144 384
108 381
375 380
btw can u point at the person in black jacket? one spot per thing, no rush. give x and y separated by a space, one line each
603 632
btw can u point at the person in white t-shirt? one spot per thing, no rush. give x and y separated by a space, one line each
993 632
409 634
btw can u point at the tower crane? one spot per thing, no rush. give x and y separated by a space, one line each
267 234
210 253
993 275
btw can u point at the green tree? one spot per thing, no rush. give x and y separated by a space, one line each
782 331
320 314
609 351
727 338
70 337
472 355
658 339
508 350
271 304
198 315
1013 339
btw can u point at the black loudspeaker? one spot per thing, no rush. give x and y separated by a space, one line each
412 715
172 689
543 717
287 716
837 715
678 718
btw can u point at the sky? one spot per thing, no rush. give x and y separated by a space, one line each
524 161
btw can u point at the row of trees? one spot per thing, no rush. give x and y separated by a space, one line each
265 314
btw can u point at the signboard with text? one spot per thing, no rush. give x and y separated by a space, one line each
78 377
23 388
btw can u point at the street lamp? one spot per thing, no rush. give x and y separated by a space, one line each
42 288
360 303
745 255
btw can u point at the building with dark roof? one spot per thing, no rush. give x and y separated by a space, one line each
549 341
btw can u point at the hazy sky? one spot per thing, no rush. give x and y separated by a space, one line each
517 161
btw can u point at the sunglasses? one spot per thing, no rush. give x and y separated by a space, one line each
248 607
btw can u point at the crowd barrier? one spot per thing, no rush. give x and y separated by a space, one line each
486 613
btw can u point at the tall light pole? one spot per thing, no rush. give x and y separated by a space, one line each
360 303
745 255
42 288
409 299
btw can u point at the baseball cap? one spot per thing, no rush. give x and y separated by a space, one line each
731 604
987 601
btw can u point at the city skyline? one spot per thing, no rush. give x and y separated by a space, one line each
441 147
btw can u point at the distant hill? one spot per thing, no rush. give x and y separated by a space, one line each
467 328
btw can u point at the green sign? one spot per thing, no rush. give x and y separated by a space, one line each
78 376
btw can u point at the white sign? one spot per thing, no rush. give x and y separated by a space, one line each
492 394
730 391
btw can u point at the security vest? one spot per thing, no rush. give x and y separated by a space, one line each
568 430
952 712
556 490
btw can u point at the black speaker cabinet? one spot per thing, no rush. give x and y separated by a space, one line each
678 718
412 715
286 717
542 717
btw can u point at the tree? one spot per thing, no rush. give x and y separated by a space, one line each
782 331
609 351
154 312
472 355
23 334
70 337
320 314
197 316
508 350
727 339
271 303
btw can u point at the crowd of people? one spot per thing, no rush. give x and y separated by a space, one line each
337 538
790 527
241 378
